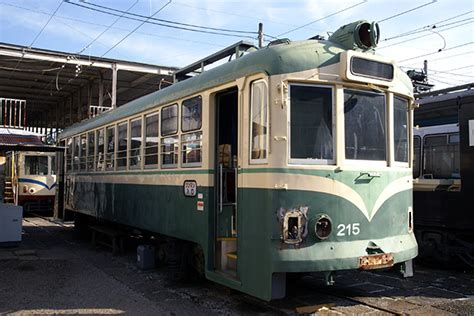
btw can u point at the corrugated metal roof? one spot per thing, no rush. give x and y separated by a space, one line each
14 137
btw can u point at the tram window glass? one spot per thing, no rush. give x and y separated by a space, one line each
169 152
90 150
110 154
122 142
400 131
191 149
100 149
416 156
53 165
169 120
441 157
83 154
191 114
36 165
311 123
151 140
75 160
259 121
69 154
135 144
365 125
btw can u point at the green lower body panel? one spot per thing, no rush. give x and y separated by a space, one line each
263 257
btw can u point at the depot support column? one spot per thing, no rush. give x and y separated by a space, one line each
114 86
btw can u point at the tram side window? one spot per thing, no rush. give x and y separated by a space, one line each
100 149
53 165
416 156
169 145
69 154
365 125
151 140
259 121
90 150
441 157
191 114
134 154
169 152
400 121
191 143
110 147
122 145
76 153
36 165
311 122
83 154
169 120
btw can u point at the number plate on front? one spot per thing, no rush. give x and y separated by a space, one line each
378 261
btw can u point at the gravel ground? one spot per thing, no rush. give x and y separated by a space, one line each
53 272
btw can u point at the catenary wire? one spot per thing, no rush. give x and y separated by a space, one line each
425 35
104 25
324 17
439 51
140 25
407 11
36 37
169 21
158 23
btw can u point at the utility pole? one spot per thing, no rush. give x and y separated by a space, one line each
260 35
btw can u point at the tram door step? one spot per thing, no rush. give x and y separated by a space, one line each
227 254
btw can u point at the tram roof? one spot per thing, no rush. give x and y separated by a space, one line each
287 57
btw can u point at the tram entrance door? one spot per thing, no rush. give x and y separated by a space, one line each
226 234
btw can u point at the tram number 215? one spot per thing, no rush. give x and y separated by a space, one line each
349 229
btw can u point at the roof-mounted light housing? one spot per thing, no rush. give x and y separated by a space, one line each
359 35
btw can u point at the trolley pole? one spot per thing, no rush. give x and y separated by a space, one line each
260 35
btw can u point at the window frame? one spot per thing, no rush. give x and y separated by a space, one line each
299 161
144 137
117 141
447 136
395 162
259 161
419 155
129 146
160 131
181 149
96 158
89 155
364 162
182 116
106 149
161 153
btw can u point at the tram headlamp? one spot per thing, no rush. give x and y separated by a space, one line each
323 227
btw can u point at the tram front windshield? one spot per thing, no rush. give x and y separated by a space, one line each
36 165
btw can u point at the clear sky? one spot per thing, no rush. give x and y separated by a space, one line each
441 31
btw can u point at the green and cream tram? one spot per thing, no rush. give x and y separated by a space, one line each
291 158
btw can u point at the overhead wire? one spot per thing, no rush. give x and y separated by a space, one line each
436 52
407 11
140 25
324 17
425 35
169 21
430 26
104 25
36 37
162 24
